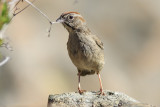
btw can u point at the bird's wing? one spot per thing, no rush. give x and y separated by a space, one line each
98 42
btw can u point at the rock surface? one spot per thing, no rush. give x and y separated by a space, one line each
93 99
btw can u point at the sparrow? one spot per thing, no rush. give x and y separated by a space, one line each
85 49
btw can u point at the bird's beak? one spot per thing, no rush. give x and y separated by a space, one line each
60 20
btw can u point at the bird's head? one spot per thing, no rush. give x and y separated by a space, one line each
72 21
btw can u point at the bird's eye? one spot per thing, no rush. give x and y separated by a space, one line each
70 17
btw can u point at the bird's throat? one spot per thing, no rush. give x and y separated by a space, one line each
81 29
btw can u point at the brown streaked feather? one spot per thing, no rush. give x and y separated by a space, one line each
81 19
74 13
98 42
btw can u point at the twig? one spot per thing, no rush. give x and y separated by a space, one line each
17 3
50 22
39 10
7 46
14 14
4 61
30 3
50 27
49 31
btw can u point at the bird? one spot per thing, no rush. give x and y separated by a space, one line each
85 49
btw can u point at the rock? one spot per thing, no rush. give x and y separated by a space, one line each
93 99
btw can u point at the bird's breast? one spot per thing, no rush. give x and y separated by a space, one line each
84 52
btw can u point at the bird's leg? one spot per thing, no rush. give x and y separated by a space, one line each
101 87
79 86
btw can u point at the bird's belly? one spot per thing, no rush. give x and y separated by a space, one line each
85 58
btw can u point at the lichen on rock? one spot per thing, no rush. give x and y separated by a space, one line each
93 99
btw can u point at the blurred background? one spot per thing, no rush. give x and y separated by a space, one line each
40 65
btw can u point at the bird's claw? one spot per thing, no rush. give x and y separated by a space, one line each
101 92
81 91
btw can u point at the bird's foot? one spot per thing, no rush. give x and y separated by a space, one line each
101 92
81 91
